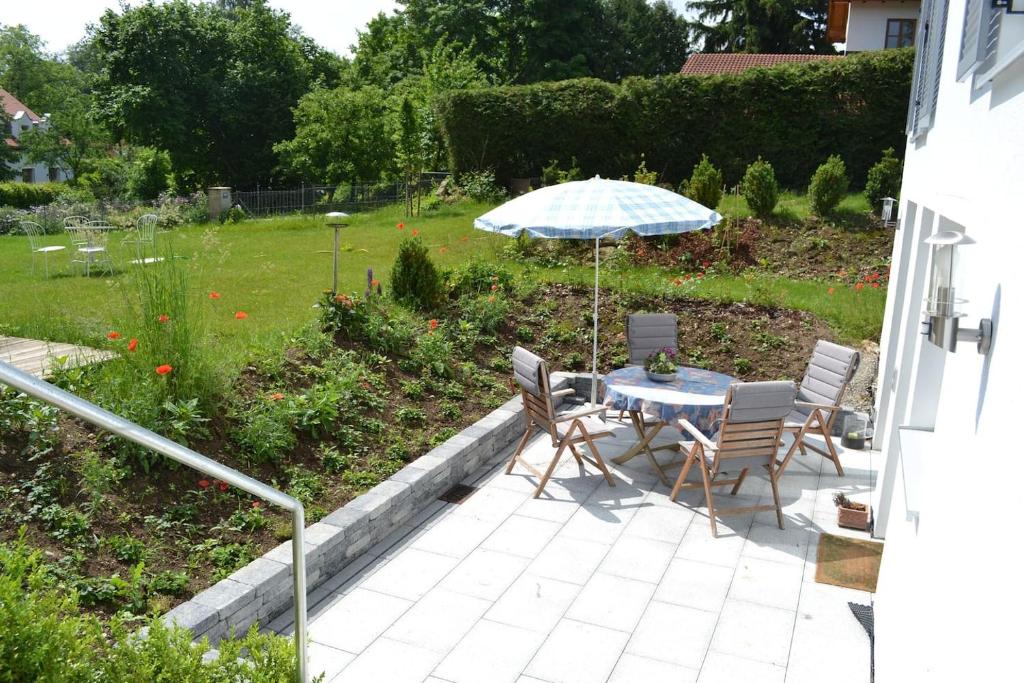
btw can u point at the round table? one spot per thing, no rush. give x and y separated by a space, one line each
695 395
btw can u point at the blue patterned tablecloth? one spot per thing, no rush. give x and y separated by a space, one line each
695 395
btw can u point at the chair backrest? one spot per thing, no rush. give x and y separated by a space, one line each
72 221
146 226
79 234
648 332
828 374
34 232
531 374
102 224
753 421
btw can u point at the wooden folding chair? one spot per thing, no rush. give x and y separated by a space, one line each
567 430
825 381
647 333
749 437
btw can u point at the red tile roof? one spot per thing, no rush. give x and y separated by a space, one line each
12 106
703 63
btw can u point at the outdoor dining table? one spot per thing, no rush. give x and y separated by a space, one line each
95 240
695 395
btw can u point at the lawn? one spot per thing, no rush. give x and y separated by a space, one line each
273 269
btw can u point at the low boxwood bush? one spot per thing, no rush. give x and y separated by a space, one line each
27 195
828 186
415 281
884 180
705 184
760 188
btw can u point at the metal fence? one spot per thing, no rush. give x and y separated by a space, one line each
350 198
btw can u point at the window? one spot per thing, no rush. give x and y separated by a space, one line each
28 175
900 32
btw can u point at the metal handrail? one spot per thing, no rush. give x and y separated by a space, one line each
44 391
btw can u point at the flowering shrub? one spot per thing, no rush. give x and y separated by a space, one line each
486 312
662 361
434 354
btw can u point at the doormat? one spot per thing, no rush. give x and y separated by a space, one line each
848 562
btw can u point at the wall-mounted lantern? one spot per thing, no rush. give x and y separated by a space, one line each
336 220
943 315
889 212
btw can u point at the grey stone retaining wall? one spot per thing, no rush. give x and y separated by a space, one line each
263 589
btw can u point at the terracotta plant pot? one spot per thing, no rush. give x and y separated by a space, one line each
854 518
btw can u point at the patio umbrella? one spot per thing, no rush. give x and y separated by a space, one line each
593 210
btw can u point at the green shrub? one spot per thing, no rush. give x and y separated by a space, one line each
487 312
27 195
553 174
705 184
884 180
434 354
415 281
517 130
478 277
481 186
760 188
828 186
148 173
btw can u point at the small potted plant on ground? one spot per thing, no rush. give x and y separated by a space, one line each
850 514
661 365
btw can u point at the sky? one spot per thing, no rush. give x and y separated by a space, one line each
331 23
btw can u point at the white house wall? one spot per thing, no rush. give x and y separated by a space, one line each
950 590
865 29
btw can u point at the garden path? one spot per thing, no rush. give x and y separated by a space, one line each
39 358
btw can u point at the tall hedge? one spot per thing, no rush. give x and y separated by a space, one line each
26 195
794 116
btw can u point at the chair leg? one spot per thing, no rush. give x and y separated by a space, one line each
551 467
686 470
519 448
778 503
598 460
832 450
576 454
739 481
708 495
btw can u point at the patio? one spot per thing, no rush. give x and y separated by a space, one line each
594 583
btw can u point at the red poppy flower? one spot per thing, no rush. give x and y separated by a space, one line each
831 290
113 335
133 344
494 288
841 273
677 282
214 295
400 226
859 285
700 275
705 264
374 283
163 318
222 486
415 232
241 315
163 369
433 324
255 505
688 276
875 285
277 396
203 483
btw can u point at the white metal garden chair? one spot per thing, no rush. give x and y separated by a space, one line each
144 236
35 234
90 249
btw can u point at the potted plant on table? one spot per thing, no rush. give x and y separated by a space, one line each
850 514
661 365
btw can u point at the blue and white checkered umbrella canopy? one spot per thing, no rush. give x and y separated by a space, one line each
597 208
593 210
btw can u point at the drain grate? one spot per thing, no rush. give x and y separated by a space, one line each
865 614
457 494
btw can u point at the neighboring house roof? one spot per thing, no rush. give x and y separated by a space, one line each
12 105
707 63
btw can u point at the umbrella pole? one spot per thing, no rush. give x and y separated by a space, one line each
597 263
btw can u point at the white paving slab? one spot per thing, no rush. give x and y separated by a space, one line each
598 583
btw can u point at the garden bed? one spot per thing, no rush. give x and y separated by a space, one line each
327 416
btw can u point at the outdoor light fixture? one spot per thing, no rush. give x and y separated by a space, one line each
336 220
943 315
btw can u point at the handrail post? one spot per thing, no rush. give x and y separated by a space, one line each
115 424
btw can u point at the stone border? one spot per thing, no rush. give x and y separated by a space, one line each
262 589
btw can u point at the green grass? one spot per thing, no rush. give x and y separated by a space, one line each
274 269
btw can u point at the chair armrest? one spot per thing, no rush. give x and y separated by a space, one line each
820 406
562 392
579 413
696 434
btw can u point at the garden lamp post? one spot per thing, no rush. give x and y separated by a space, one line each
336 220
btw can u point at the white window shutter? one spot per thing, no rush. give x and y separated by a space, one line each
921 43
980 37
928 66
